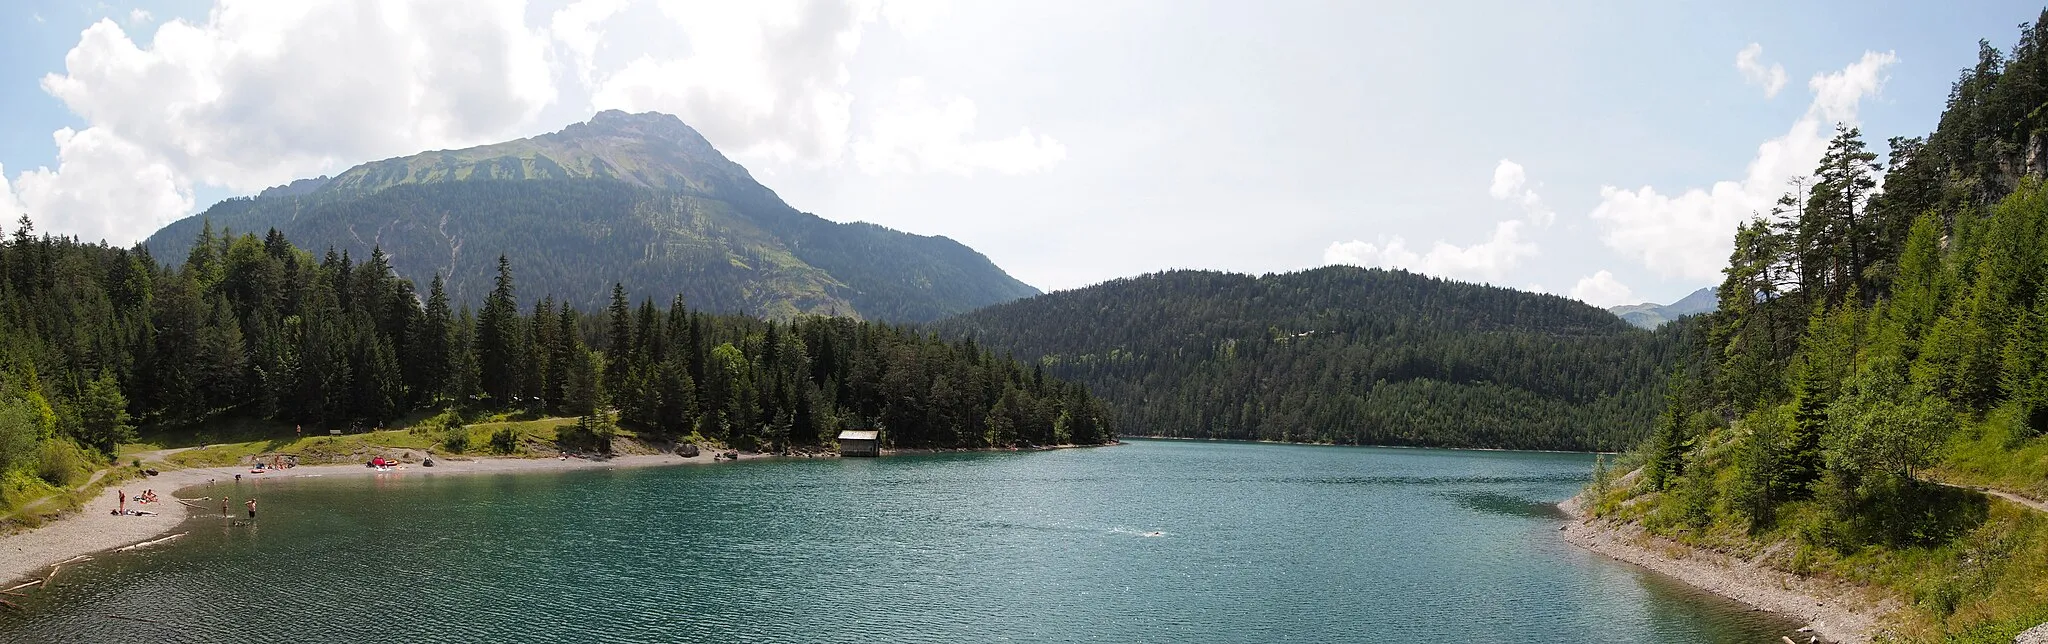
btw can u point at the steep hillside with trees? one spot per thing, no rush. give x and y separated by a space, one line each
640 199
1871 346
1341 355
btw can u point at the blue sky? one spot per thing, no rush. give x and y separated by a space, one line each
1545 146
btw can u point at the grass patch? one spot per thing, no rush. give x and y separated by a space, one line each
2001 453
528 438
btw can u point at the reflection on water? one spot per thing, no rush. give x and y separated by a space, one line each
1150 542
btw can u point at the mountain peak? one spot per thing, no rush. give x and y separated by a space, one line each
648 149
652 126
1650 315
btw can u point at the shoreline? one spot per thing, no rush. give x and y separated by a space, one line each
1836 611
30 554
1260 441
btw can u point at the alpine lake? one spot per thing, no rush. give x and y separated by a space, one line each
1150 541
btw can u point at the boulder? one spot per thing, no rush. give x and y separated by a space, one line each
687 450
2035 635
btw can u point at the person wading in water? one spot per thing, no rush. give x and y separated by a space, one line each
224 506
252 508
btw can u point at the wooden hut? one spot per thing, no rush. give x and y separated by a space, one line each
860 442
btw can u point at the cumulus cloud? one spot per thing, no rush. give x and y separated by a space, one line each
1601 289
1749 62
771 80
765 79
918 131
578 27
265 92
1511 183
104 188
1690 234
1487 261
138 17
10 206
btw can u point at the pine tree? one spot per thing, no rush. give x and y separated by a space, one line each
497 339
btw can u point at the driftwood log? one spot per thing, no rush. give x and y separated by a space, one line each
149 543
21 586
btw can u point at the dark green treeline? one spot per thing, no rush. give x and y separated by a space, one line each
1343 355
95 340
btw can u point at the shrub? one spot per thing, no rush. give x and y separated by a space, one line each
456 439
446 419
61 463
504 441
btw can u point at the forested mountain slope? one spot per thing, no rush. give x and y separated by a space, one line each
1870 344
1343 355
638 198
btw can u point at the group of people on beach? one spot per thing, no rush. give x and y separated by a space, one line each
147 496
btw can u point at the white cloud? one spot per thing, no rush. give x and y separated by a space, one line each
771 80
1690 235
11 207
104 188
138 17
578 27
1748 61
266 92
1487 261
914 17
917 131
765 79
1510 183
1601 289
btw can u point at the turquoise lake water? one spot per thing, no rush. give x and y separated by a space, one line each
1153 541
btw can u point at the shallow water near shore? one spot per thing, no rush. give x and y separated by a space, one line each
1150 541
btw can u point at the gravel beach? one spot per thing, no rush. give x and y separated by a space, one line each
1836 612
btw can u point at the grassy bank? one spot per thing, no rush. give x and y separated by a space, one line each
444 435
1965 567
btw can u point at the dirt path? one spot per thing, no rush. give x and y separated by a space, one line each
2035 505
2038 506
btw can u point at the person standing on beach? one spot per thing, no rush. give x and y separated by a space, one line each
252 508
122 503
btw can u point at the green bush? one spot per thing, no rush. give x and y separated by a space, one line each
503 441
456 439
433 424
61 463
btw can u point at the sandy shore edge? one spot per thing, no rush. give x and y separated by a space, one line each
1837 612
29 555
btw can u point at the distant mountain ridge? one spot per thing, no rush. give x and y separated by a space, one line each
1650 315
642 199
